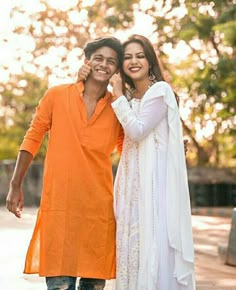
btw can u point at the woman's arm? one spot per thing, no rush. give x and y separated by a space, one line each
137 127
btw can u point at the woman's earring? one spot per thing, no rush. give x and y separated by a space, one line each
151 77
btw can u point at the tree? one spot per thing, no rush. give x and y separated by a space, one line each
207 76
19 99
48 43
56 37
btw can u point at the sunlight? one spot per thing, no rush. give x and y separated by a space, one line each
146 4
22 45
139 28
88 2
179 53
28 6
63 5
5 26
78 17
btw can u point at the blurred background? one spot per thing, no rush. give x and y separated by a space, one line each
41 45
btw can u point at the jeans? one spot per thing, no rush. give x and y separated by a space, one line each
69 283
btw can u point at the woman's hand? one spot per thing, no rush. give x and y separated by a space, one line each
83 72
117 84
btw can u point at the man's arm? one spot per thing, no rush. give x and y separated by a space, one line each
15 197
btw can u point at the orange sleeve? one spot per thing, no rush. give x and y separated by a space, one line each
40 124
120 140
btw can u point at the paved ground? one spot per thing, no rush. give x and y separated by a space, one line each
209 233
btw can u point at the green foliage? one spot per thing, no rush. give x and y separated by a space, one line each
50 28
228 29
20 98
188 31
113 14
207 76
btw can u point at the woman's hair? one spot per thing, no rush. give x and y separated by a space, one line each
108 41
149 54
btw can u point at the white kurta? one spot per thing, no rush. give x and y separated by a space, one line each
154 234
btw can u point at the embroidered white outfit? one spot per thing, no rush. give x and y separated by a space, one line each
152 206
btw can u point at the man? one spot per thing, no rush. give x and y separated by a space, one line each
74 235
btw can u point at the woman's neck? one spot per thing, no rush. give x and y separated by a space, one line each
140 88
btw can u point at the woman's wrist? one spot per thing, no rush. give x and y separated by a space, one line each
114 98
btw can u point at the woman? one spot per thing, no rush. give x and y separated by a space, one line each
154 232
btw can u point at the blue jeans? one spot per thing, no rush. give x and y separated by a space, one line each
69 283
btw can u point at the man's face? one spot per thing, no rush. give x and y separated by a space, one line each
104 63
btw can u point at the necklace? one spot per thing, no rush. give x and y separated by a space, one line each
132 91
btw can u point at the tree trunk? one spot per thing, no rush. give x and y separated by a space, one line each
202 156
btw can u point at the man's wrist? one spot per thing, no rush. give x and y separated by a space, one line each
16 182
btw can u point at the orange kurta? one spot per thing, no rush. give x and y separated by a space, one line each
75 230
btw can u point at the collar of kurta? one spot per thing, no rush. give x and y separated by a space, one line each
81 86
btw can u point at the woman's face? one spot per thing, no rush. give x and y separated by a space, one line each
135 64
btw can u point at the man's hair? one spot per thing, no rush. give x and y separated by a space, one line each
111 42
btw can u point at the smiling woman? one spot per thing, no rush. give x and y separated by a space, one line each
154 243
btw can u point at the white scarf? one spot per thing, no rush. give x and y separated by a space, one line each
178 201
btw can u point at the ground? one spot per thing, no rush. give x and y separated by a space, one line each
210 235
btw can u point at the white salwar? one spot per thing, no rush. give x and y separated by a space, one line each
152 205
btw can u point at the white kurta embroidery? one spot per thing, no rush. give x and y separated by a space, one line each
127 191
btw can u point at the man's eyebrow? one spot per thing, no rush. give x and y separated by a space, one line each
113 58
101 55
98 55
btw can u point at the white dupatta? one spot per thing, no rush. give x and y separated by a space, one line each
178 201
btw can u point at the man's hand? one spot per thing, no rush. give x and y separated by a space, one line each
15 197
83 72
15 201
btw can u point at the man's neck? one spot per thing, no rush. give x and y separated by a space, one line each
94 90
